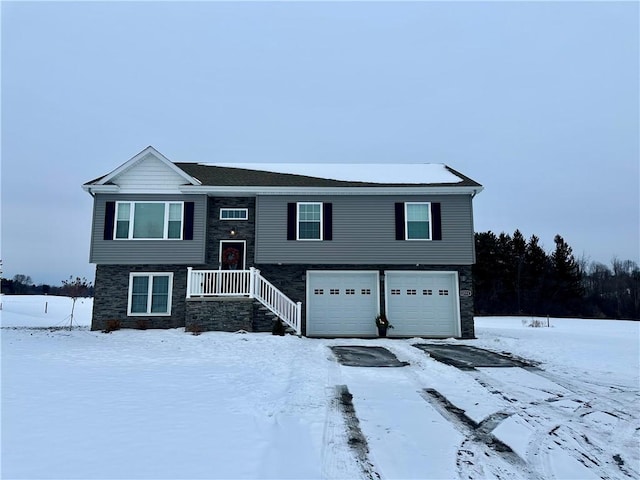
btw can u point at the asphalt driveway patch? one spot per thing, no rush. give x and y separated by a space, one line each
465 357
361 356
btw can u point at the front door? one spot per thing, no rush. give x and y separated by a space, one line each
232 254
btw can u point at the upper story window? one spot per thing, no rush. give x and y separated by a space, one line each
234 214
149 220
418 221
309 221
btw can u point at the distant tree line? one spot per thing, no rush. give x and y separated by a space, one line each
23 285
512 276
515 276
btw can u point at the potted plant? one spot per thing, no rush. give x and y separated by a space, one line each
383 324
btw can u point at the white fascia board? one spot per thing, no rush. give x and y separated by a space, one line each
227 191
92 188
149 150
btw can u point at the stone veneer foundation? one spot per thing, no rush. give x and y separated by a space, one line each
233 314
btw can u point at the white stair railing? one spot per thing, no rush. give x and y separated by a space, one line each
250 283
286 309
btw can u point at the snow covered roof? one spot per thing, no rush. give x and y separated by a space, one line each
326 174
406 173
151 172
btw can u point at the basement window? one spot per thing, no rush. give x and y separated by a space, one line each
150 294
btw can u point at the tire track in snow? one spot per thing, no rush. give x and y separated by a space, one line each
480 454
480 443
562 406
556 416
344 447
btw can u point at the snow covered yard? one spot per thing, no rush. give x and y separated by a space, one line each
166 404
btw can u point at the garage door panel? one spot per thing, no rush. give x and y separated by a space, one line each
422 303
342 303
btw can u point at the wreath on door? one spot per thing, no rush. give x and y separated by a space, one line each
230 258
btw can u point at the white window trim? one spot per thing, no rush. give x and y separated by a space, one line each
149 294
132 207
406 222
298 222
244 217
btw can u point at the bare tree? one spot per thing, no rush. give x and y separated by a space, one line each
75 288
21 283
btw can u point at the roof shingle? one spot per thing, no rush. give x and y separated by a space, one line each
212 175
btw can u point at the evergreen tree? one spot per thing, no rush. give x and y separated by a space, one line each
567 288
535 284
518 248
513 276
484 279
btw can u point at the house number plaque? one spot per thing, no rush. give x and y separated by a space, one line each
465 293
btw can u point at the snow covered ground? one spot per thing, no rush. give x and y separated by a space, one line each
169 405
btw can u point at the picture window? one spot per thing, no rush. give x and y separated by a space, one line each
149 220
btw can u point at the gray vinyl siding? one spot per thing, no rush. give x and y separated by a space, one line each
132 252
364 232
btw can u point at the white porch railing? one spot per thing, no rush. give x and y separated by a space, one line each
244 283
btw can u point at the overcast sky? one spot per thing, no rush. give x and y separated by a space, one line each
537 101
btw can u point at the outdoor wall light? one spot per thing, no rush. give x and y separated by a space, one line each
233 232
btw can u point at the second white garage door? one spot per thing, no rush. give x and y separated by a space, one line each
342 303
422 303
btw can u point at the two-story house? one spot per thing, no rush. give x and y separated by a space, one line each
214 247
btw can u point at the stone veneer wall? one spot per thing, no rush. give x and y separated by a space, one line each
291 280
112 292
219 229
221 314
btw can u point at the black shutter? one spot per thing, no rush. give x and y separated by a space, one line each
327 221
291 221
187 224
109 220
400 221
436 221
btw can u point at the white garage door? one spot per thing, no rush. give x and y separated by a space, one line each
422 303
342 303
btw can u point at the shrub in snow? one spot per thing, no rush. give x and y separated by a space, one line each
536 323
278 328
195 329
112 325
